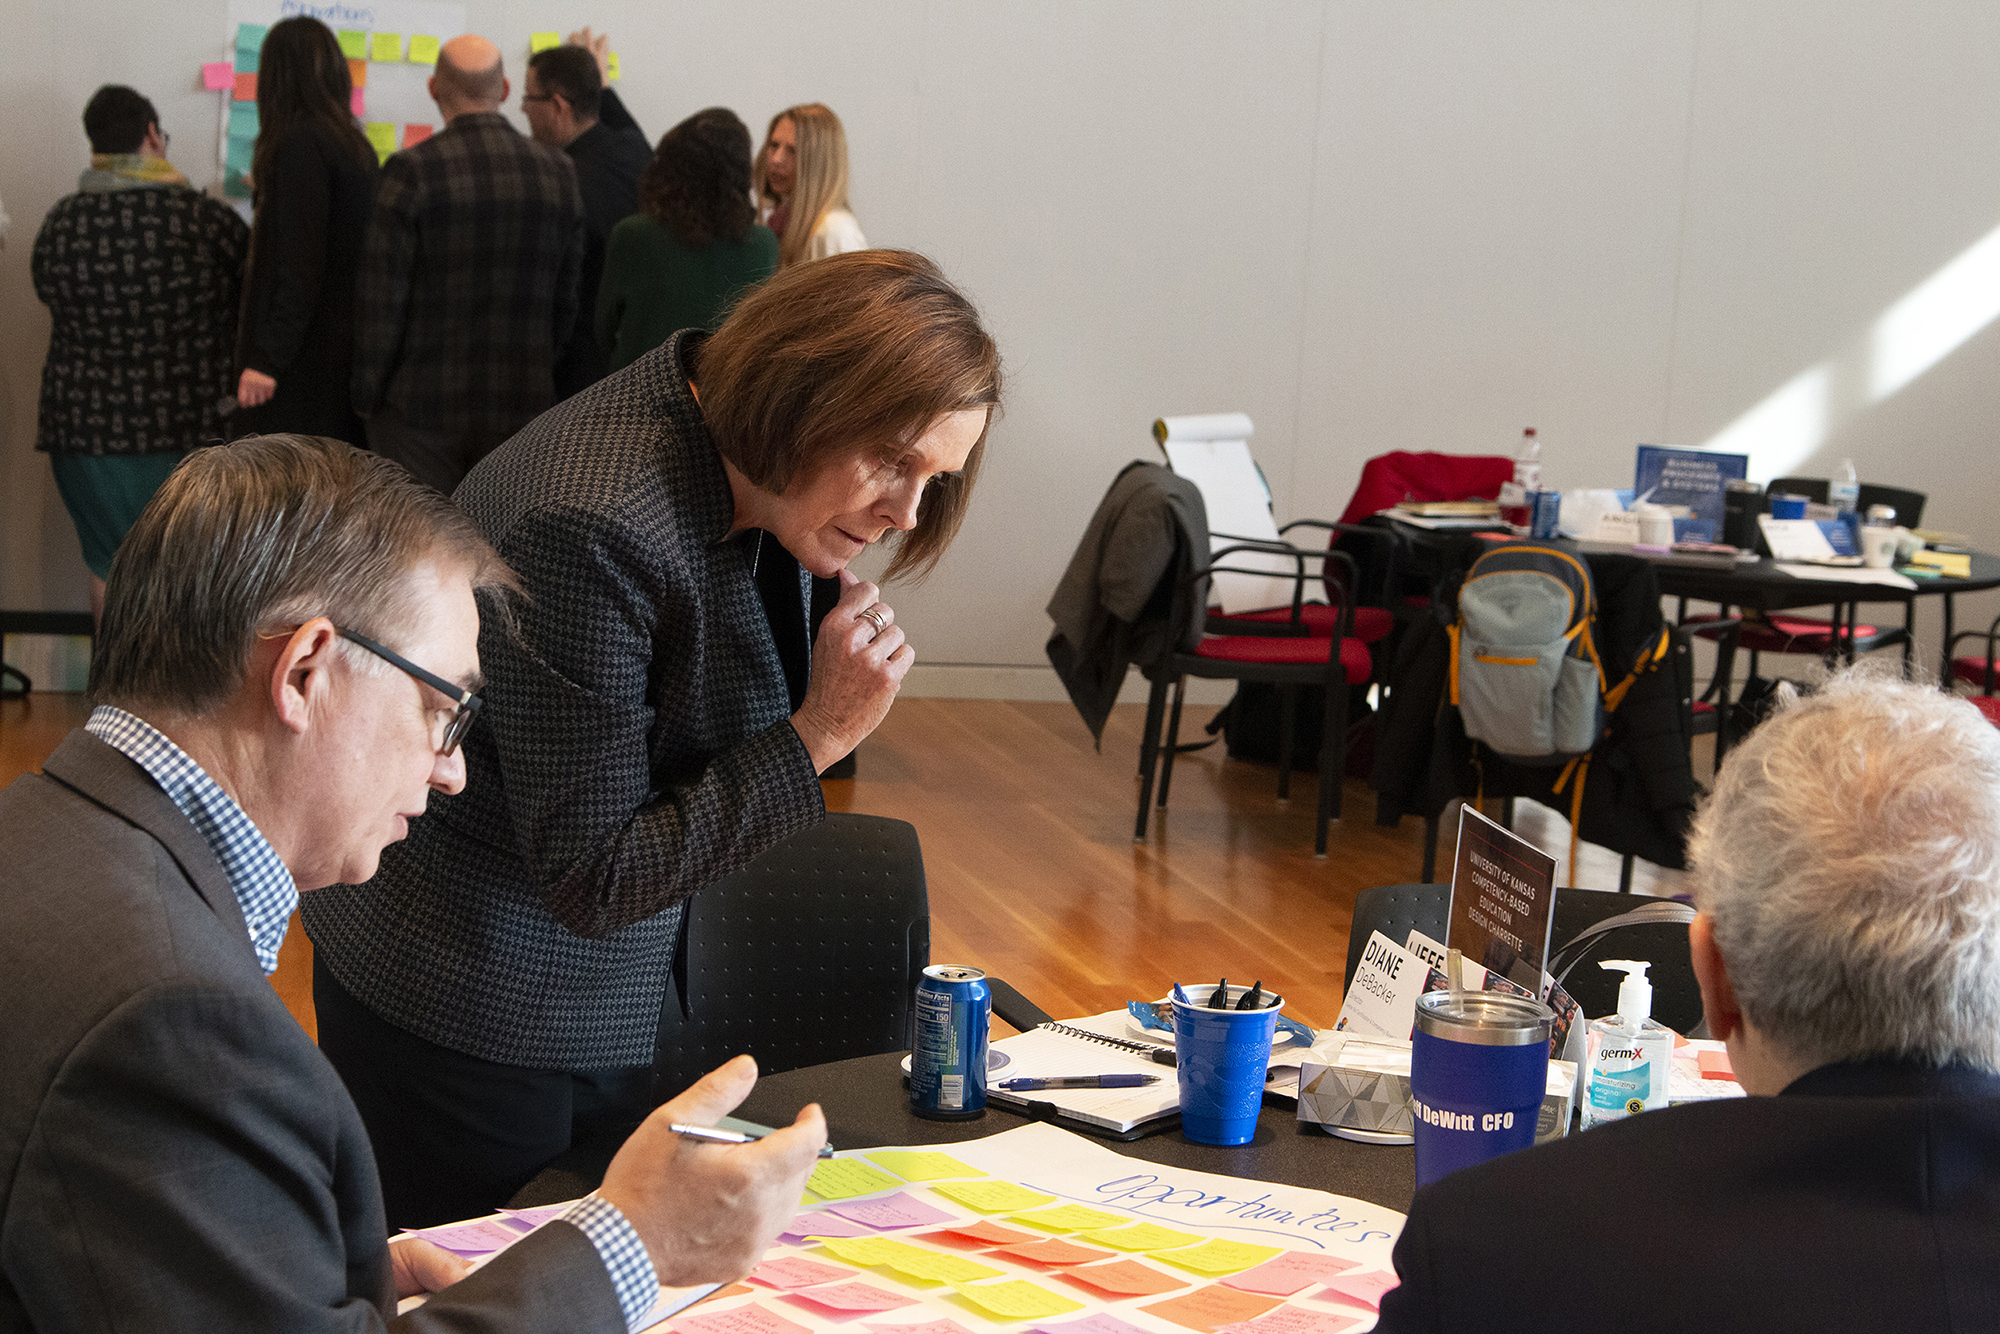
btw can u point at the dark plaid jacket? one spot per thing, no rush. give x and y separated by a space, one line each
635 746
142 284
468 283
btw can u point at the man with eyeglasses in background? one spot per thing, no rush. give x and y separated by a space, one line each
175 1153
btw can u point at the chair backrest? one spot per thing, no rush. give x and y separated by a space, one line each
1395 911
1909 505
1390 479
1676 997
1213 452
812 953
1815 489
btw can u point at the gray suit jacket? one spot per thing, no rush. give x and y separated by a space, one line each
174 1151
636 746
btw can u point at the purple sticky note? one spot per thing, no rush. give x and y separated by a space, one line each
823 1223
892 1211
930 1327
1294 1271
218 76
1294 1320
1095 1324
481 1236
541 1213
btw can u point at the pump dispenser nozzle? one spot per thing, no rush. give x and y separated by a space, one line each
1635 993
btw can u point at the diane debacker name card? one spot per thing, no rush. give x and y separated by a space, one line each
1383 998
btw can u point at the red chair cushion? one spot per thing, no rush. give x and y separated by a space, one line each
1780 633
1371 624
1971 670
1986 704
1389 479
1287 650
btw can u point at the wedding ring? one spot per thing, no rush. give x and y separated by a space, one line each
874 618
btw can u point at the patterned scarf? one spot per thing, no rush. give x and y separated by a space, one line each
126 171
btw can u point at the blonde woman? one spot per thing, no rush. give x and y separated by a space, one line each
801 185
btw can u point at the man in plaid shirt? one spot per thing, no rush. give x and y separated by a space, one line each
468 285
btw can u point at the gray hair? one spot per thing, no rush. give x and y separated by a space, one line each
267 532
1850 859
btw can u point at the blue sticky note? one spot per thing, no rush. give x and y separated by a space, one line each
240 153
250 36
246 60
242 120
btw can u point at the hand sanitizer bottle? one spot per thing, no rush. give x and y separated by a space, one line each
1628 1055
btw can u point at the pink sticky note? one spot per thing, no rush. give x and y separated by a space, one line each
357 101
930 1327
891 1211
751 1319
824 1223
796 1271
1360 1289
541 1213
1293 1320
848 1299
1094 1324
218 75
1294 1271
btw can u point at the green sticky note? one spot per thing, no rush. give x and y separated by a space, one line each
386 47
1219 1257
1017 1299
993 1197
246 60
234 186
250 37
242 120
542 41
1068 1218
913 1166
353 43
844 1178
423 49
240 153
381 137
611 64
1139 1237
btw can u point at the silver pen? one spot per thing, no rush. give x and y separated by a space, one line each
718 1136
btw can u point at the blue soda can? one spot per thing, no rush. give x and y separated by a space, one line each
948 1067
1545 511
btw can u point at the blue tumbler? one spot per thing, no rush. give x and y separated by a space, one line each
1479 1068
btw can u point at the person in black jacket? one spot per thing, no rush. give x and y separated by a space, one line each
569 106
314 176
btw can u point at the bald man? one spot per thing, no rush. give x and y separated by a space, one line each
468 286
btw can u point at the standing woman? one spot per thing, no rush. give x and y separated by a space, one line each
314 176
694 246
802 185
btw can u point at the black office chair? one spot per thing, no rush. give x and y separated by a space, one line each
1395 911
1909 505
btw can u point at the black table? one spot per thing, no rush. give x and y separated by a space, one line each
867 1106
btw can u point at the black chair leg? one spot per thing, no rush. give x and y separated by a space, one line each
1332 762
1625 875
1149 754
1507 813
1288 716
1173 742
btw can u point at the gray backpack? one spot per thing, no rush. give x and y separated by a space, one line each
1525 675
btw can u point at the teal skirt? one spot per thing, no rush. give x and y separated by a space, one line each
104 494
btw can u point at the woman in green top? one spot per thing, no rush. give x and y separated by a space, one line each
693 247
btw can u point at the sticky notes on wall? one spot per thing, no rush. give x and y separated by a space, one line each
414 134
244 88
542 41
423 49
381 137
218 75
353 43
357 73
386 47
243 120
611 64
357 102
240 153
249 41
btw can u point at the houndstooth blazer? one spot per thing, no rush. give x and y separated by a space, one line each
636 745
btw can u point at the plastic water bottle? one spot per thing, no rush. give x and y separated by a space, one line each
1516 496
1845 492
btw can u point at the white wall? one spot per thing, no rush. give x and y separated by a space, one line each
1371 225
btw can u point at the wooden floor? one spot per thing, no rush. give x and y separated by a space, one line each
1027 838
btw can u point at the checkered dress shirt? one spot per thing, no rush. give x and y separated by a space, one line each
262 885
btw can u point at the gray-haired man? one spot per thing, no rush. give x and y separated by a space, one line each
1847 873
289 657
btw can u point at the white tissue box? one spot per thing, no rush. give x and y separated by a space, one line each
1363 1083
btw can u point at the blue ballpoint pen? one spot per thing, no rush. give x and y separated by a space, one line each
1027 1085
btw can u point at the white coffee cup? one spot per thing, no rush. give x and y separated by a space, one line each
1878 548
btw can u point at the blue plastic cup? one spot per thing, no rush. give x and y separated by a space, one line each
1787 506
1223 1057
1479 1068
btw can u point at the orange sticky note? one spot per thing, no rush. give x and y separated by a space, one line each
1714 1065
1209 1309
1129 1278
981 1235
246 88
357 73
1054 1251
414 134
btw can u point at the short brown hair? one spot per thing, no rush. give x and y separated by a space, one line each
853 354
271 530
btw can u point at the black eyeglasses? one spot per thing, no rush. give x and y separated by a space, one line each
468 703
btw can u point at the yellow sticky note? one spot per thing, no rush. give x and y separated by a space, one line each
1068 1218
423 49
864 1251
1219 1256
1139 1237
354 44
542 41
922 1166
386 47
844 1178
993 1197
1017 1299
611 64
381 137
939 1267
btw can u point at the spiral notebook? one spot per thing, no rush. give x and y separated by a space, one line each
1095 1045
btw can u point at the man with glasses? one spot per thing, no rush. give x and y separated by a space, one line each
174 1151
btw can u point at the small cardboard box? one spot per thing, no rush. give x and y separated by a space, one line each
1357 1082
